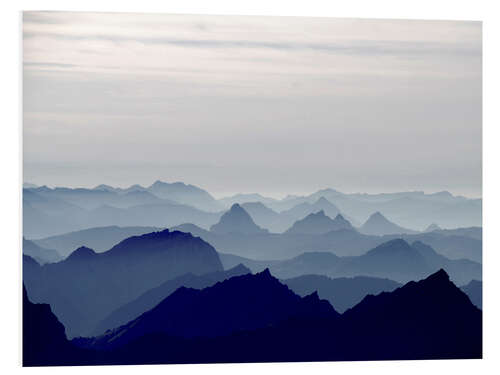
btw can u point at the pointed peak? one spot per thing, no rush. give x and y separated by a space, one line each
236 206
313 296
240 269
377 214
265 274
321 213
323 200
438 277
339 217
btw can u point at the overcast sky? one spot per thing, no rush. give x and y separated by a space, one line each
275 105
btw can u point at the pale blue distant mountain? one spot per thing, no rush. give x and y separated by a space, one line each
377 224
236 220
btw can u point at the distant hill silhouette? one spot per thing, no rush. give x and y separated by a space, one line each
474 290
377 224
99 239
342 293
301 210
40 254
470 232
86 287
246 302
152 297
319 223
185 194
54 211
242 199
396 260
432 227
263 216
236 220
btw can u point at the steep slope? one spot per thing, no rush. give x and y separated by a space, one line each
474 290
319 223
86 287
431 318
99 239
44 338
236 220
378 224
342 293
241 303
262 215
152 297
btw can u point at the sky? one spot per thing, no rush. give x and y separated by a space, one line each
275 105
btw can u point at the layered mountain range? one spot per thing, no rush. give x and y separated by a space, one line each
54 211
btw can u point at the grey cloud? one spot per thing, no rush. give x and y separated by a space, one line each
368 48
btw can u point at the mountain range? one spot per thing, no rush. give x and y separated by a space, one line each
428 319
55 211
395 260
87 286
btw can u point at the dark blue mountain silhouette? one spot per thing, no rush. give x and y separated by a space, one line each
429 319
86 287
152 297
236 220
44 338
241 303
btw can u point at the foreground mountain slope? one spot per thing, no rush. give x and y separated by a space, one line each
431 318
428 319
246 302
86 286
152 297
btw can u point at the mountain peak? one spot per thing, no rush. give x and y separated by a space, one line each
432 228
82 252
378 224
236 220
322 199
438 277
319 223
